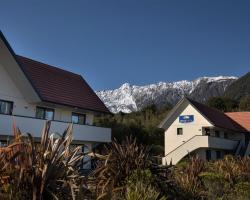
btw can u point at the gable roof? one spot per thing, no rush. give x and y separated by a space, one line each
58 86
242 118
55 85
214 116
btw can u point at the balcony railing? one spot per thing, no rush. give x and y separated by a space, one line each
196 142
34 126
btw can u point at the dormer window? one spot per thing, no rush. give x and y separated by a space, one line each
45 113
6 107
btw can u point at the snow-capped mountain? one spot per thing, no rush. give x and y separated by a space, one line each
129 98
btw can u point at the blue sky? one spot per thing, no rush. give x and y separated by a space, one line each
110 42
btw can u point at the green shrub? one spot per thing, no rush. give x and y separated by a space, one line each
215 185
140 186
142 191
242 190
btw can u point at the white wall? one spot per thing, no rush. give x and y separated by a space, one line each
9 92
172 140
35 126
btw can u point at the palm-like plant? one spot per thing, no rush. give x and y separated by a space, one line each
121 160
45 170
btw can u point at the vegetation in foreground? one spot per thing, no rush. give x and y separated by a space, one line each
126 171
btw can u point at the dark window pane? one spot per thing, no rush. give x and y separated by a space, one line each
207 131
179 131
6 107
208 154
82 119
40 113
217 133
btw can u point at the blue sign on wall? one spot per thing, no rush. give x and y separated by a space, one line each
186 118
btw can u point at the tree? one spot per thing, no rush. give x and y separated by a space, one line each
224 104
245 104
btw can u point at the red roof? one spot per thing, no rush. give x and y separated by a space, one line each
218 118
58 86
242 118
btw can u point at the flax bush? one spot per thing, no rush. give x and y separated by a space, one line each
47 170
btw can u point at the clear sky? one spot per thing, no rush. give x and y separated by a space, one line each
110 42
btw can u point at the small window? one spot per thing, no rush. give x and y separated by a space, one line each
78 118
6 107
217 133
225 135
207 131
45 113
208 154
3 143
179 131
218 154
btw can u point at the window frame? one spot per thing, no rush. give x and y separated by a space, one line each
12 106
178 131
44 114
78 114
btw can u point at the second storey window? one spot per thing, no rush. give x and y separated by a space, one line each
179 131
6 107
207 131
45 113
78 118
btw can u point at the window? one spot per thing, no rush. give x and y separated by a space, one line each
218 154
217 133
6 107
179 131
45 113
78 118
3 143
208 154
207 131
225 135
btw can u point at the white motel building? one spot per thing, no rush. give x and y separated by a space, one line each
192 128
32 92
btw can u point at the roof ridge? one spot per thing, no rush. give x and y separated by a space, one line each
211 108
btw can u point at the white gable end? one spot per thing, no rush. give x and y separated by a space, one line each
190 127
9 92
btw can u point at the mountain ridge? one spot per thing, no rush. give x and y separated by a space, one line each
129 98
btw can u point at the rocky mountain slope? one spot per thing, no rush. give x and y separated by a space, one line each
240 88
129 98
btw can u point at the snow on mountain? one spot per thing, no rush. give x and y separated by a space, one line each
129 98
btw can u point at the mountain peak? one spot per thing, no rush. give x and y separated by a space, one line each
125 86
130 98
